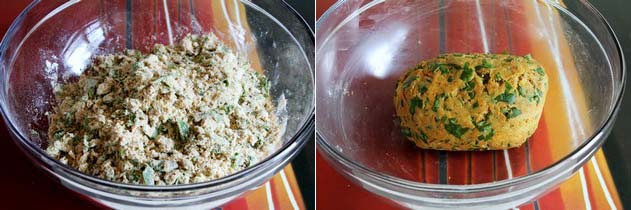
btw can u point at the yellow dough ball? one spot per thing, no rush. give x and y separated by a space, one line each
465 102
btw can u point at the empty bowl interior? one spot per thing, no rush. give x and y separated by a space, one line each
365 46
57 46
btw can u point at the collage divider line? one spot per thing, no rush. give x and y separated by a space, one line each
442 155
128 29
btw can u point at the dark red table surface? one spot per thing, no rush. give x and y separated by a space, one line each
23 185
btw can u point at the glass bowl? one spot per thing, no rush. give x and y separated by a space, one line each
364 46
54 41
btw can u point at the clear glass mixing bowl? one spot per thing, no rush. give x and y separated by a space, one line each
54 41
364 46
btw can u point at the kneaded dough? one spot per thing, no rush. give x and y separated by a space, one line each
462 102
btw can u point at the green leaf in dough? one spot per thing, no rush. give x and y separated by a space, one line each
147 175
540 71
454 128
415 102
422 89
512 113
522 91
406 132
182 129
467 73
409 81
506 97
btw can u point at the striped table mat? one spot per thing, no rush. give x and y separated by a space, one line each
541 35
281 192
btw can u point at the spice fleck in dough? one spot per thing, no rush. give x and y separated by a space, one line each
471 101
183 114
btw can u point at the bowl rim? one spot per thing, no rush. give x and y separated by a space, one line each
597 138
292 146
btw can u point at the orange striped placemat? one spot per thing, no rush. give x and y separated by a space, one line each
281 192
591 188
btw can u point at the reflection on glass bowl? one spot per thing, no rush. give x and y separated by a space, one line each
54 41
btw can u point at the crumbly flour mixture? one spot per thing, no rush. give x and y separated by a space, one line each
183 114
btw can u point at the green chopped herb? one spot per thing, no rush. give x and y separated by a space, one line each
433 66
227 108
454 129
91 91
171 65
131 119
264 84
506 97
528 57
86 124
162 80
134 176
75 140
467 73
182 129
537 96
508 87
422 89
540 71
409 81
484 128
259 144
453 65
437 102
488 136
161 129
86 141
236 160
498 77
136 66
469 86
512 113
486 64
147 175
426 102
68 118
423 136
522 91
443 69
476 105
406 132
415 102
121 153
